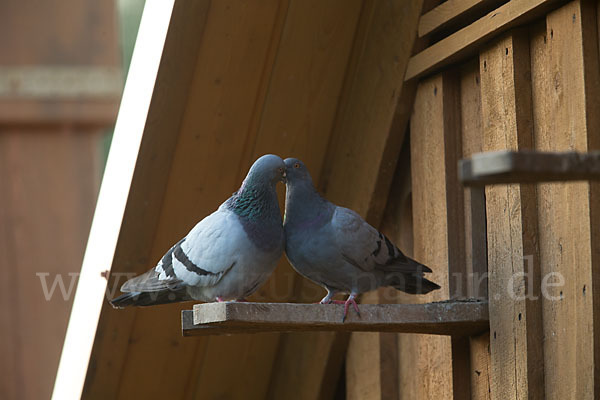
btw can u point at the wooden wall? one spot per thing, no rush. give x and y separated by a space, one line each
59 88
533 87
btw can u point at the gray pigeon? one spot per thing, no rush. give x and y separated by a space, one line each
337 249
227 255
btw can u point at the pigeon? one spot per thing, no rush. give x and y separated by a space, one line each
227 255
337 249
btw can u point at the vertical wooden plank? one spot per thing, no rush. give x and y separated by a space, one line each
434 145
475 225
566 104
515 310
397 224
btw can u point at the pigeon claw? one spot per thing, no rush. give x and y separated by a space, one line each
347 303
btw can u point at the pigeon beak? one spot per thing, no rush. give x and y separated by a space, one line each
284 177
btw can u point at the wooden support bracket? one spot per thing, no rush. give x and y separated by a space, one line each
504 166
457 318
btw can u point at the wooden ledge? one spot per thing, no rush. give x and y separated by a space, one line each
441 318
528 166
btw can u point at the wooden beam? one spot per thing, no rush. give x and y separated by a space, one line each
453 12
467 41
505 166
475 225
566 92
514 269
438 219
456 318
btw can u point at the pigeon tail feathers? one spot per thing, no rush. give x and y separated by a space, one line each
143 299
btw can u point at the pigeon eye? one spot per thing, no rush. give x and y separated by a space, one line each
297 165
280 169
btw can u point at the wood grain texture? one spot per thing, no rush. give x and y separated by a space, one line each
565 92
467 41
433 127
452 12
514 270
475 243
474 200
397 225
441 318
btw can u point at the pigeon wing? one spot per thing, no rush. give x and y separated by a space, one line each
365 247
208 251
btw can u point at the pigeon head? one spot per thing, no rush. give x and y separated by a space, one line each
296 172
268 169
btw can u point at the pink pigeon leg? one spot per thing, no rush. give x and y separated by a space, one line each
220 299
327 299
347 303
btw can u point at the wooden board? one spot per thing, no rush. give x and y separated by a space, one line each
475 225
514 270
566 84
453 12
456 318
433 128
467 41
505 166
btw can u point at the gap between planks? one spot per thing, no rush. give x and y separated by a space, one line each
458 318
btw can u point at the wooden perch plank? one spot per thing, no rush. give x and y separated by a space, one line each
451 12
440 318
468 40
528 166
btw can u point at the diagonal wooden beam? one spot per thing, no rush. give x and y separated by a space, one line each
466 41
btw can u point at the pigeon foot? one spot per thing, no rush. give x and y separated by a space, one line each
347 303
